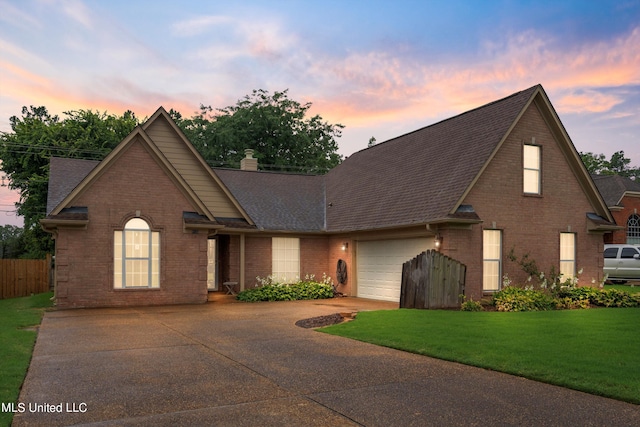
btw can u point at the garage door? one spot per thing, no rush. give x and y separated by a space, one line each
379 266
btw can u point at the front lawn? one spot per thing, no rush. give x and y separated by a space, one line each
595 350
18 319
634 288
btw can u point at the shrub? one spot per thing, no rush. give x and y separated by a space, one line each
268 290
615 298
471 305
512 298
599 297
566 303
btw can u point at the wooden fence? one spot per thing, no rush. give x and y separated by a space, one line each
23 277
432 280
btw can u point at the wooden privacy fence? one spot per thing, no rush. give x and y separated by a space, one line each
23 277
432 280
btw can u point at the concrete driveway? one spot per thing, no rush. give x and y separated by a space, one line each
248 364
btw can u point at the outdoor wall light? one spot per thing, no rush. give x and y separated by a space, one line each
437 241
345 245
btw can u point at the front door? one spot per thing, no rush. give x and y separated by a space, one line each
212 265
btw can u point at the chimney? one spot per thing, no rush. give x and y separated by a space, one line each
249 163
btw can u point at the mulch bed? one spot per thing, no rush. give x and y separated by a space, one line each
320 321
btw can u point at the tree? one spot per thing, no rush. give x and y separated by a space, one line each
618 165
35 137
12 244
275 126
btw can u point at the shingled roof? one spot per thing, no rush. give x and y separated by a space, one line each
614 187
419 177
277 201
64 177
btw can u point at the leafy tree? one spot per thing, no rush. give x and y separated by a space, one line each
274 125
35 137
595 163
12 244
617 165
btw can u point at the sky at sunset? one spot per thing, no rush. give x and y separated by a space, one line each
381 68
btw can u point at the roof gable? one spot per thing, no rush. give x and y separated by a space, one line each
67 187
190 165
137 135
420 177
613 188
424 176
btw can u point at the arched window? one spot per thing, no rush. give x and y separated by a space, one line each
633 230
136 256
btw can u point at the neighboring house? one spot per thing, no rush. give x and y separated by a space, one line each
153 224
622 196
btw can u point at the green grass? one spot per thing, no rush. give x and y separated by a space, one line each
595 350
17 335
634 289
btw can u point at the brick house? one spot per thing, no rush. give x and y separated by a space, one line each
622 196
153 224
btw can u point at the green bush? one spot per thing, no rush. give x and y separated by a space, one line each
284 292
512 298
600 297
470 305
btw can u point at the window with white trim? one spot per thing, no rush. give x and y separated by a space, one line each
531 174
491 260
136 256
633 230
567 255
285 265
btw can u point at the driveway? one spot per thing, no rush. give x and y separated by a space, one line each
248 364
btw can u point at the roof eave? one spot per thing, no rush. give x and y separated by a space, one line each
604 228
455 221
49 224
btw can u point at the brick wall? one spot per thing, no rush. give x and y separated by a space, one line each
530 224
84 258
257 259
631 206
314 257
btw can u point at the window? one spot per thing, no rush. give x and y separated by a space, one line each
633 230
136 256
492 260
285 252
567 255
628 253
611 252
531 162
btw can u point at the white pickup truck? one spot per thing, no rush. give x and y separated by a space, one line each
622 263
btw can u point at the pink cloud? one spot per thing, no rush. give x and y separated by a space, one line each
374 86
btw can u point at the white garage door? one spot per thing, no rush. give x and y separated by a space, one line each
379 266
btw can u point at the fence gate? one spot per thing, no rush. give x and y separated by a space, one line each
23 277
432 280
